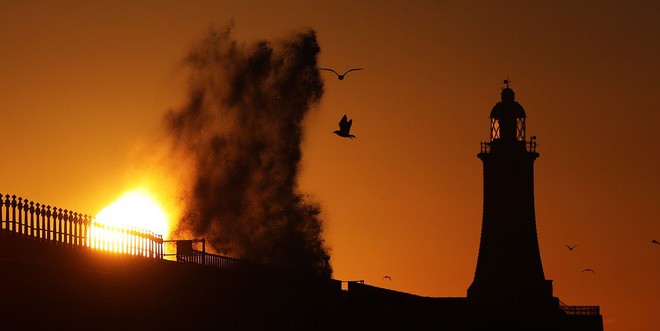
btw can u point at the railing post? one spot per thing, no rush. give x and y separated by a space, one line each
131 240
85 231
122 240
112 242
19 219
60 221
33 224
14 226
159 246
7 203
49 234
70 228
136 241
76 231
65 227
150 243
145 244
153 244
40 221
56 225
25 211
203 251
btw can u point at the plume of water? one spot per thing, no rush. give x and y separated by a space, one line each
240 133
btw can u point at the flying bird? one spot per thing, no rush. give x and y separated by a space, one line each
341 77
655 242
589 270
344 128
570 248
387 277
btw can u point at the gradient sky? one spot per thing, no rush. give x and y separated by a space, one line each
84 86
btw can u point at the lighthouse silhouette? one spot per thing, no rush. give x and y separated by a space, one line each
509 270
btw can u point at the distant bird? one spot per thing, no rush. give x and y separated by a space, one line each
589 270
341 77
570 248
655 242
344 128
387 277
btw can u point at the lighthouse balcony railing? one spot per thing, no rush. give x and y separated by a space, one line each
485 147
530 146
579 310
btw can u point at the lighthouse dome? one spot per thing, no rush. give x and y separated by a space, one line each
508 107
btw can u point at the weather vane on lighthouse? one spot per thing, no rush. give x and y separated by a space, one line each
507 81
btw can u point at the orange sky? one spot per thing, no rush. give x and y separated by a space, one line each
84 87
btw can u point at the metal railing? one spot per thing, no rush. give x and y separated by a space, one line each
213 260
27 219
530 146
579 310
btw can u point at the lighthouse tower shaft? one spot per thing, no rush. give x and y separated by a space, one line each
509 269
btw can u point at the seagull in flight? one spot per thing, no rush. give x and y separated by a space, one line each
344 128
655 242
570 248
589 270
387 277
341 77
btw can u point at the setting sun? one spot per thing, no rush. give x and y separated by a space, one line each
134 224
135 209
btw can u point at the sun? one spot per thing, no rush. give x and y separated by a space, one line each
133 224
135 209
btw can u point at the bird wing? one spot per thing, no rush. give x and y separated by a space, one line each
348 126
342 122
328 69
349 70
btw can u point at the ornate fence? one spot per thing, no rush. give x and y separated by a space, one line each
30 220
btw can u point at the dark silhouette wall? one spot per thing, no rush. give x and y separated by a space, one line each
51 283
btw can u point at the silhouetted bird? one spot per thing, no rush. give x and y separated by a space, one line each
344 128
387 277
341 77
655 242
590 270
570 248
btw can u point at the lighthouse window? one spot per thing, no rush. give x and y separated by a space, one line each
520 128
494 128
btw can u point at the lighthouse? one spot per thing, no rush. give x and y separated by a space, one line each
509 271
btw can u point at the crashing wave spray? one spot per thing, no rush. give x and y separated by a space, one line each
241 133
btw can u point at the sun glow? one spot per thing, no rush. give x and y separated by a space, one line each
137 209
132 224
